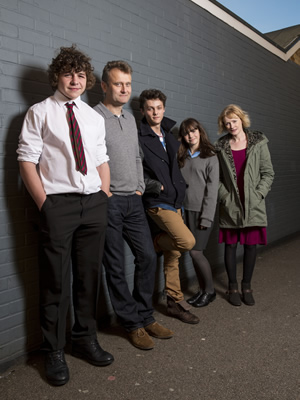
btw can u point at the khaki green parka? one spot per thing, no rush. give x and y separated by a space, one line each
258 178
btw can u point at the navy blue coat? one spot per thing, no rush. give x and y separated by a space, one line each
161 167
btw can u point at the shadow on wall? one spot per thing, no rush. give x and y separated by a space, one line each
93 96
23 216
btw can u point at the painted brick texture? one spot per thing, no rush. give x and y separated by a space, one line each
199 62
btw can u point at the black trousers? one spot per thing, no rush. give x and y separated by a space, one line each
72 229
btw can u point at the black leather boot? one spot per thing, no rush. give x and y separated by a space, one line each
56 369
247 294
92 352
234 296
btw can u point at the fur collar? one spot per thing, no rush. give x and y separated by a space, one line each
253 138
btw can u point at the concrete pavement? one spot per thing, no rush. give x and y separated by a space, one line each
234 353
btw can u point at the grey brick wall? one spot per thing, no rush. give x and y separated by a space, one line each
200 63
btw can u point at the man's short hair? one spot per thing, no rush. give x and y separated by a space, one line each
151 94
119 64
70 59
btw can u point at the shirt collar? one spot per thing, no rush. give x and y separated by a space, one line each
196 154
162 132
62 99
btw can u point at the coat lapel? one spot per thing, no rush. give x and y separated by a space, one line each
155 147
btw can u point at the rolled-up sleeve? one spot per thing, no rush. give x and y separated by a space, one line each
30 140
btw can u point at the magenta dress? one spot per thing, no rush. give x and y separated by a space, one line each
251 235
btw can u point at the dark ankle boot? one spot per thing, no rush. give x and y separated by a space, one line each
247 294
234 297
181 312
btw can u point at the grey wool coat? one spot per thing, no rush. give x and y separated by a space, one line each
258 178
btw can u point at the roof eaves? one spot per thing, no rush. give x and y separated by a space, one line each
233 20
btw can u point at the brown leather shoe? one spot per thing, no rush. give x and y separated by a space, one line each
140 339
178 310
158 331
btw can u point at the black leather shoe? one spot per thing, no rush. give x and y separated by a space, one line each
194 298
92 353
56 369
204 299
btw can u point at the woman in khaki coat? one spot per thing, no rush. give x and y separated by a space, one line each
246 176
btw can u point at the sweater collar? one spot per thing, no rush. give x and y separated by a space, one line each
108 114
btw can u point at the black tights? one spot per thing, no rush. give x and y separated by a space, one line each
248 262
203 271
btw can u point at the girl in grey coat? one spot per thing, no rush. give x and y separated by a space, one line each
200 169
246 176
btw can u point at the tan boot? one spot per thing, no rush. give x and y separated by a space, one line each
140 339
158 331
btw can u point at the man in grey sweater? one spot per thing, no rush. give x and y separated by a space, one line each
126 216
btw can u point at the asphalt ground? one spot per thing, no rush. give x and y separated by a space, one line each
233 353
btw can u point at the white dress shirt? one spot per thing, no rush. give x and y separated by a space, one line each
45 140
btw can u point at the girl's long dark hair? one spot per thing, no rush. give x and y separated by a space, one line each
205 147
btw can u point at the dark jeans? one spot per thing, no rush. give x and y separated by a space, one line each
127 220
72 227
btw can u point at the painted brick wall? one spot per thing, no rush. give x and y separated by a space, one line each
200 63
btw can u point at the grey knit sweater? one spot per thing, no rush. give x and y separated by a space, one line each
202 178
126 169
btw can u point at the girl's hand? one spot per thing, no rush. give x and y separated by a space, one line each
202 228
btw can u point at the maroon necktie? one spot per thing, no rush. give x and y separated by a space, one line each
76 140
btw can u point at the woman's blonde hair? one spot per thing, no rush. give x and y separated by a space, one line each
229 112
